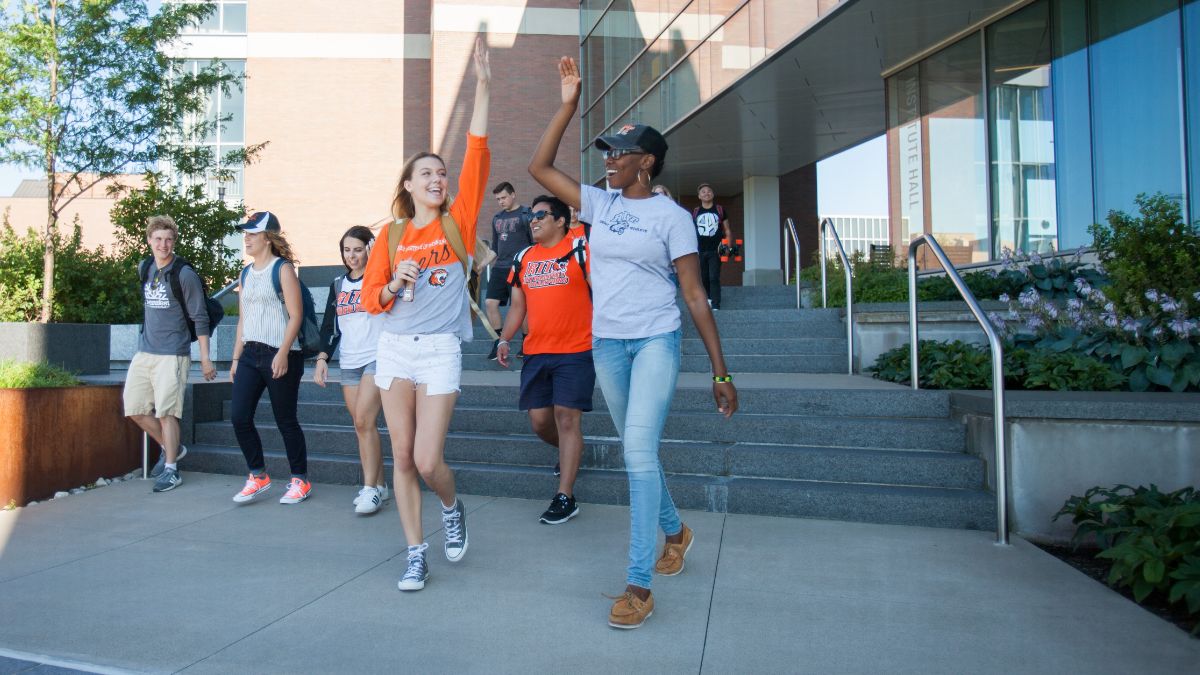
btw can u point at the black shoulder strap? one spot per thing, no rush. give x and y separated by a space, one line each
144 269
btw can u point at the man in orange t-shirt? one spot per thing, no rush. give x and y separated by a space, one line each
550 287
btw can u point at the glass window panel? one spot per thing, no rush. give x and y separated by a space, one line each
731 50
233 106
687 85
1073 123
235 18
212 22
1024 216
1191 38
1138 146
952 100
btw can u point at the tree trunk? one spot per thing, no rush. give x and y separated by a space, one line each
51 191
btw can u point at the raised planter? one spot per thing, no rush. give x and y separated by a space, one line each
1063 443
880 327
55 439
78 347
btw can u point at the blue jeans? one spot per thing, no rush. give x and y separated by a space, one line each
638 380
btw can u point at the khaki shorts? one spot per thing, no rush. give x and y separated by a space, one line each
155 384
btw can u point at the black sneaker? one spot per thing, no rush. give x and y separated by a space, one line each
454 522
168 480
557 469
162 461
562 508
495 346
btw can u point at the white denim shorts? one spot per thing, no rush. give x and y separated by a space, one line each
432 360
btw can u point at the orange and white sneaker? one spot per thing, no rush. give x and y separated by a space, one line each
298 490
255 485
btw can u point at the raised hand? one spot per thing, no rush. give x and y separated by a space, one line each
568 70
483 65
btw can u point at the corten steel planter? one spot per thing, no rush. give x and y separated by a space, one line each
55 439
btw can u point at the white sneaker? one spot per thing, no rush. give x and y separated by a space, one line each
384 493
369 501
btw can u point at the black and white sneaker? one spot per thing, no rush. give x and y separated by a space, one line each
562 508
169 479
495 347
557 469
454 522
162 462
418 570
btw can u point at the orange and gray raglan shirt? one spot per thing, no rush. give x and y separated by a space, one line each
440 303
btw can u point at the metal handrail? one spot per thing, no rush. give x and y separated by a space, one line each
790 231
228 287
827 226
997 367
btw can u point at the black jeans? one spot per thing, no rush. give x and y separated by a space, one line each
710 274
252 377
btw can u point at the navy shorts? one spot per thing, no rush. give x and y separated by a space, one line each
567 380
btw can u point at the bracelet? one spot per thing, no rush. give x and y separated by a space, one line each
501 341
718 378
323 358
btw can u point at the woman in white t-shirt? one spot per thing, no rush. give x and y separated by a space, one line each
636 238
348 325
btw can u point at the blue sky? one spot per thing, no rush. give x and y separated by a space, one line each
854 183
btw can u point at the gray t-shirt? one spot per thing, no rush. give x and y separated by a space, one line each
511 235
440 302
633 243
164 328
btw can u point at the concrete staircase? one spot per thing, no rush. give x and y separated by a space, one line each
825 446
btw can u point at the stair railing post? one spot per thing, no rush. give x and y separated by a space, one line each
790 231
826 225
997 350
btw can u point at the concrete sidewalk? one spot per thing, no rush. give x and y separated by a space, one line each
122 579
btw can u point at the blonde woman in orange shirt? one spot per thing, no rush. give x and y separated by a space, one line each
420 285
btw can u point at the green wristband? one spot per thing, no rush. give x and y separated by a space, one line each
727 378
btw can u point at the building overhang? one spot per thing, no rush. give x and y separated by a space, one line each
821 93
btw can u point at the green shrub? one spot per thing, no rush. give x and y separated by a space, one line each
91 285
26 375
1058 371
1152 539
1156 251
876 282
963 365
203 223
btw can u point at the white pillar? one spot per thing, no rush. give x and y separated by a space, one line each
760 199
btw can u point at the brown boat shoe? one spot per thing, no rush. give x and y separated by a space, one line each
629 611
671 562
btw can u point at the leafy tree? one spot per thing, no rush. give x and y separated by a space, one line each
204 224
88 92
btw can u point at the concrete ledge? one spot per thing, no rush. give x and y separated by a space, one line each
1085 405
79 347
1062 444
881 327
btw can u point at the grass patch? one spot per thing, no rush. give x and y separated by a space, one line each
26 375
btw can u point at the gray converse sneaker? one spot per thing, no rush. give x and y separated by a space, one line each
417 572
162 461
455 524
169 479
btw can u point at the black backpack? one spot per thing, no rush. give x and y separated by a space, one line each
214 309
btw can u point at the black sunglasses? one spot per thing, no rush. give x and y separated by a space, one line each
538 215
618 153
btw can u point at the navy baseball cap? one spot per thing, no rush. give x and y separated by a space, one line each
263 221
635 137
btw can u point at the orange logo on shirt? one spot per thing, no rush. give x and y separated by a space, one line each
438 277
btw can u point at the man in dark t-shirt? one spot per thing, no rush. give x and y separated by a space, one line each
510 236
711 227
